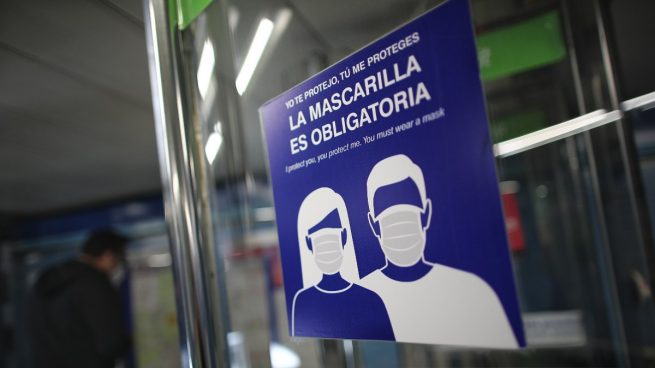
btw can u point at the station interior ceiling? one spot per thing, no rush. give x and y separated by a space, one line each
76 117
76 121
75 109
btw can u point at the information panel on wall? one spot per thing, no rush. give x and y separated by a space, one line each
387 203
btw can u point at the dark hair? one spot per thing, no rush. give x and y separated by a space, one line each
100 241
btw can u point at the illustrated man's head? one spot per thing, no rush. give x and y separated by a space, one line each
323 228
399 210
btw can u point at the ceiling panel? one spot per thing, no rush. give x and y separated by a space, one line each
85 38
76 123
96 113
357 22
132 7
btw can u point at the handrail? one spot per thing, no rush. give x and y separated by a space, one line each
645 101
556 132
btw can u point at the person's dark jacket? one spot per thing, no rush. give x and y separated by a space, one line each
76 320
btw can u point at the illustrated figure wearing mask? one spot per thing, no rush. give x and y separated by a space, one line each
426 302
334 306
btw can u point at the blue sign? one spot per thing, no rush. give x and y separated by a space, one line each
388 210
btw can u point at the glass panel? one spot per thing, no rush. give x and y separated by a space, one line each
556 222
561 269
643 120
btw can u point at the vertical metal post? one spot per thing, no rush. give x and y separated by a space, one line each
602 242
201 328
628 150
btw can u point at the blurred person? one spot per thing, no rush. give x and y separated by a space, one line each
75 310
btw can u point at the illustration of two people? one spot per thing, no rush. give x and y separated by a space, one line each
409 299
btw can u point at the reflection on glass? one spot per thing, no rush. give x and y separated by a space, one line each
205 68
255 52
559 264
214 143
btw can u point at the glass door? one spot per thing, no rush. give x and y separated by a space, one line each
580 253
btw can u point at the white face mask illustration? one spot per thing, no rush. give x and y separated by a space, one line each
402 236
328 250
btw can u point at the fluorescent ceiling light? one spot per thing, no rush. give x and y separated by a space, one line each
233 18
205 68
255 52
214 143
282 20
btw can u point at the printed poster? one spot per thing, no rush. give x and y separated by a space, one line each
387 203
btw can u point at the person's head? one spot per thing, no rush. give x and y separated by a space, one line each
399 209
323 228
104 249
